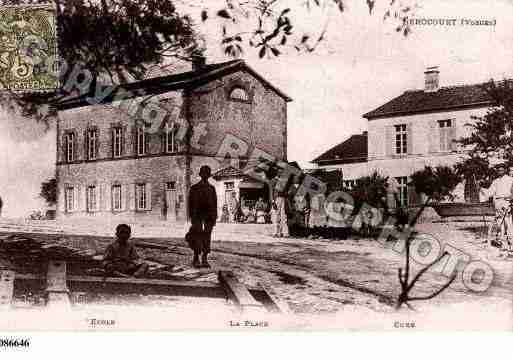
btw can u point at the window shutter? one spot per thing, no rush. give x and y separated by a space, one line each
131 196
97 149
76 198
134 139
112 137
409 138
163 136
452 136
123 140
107 197
147 136
98 189
124 197
390 141
100 197
86 146
434 137
61 203
65 147
74 154
148 196
83 198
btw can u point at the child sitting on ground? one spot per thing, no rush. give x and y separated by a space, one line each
121 257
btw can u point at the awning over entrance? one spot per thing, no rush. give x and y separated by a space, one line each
251 185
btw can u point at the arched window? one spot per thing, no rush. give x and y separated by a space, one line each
239 94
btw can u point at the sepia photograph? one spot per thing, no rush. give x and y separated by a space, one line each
255 166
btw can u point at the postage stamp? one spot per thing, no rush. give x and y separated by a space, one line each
28 48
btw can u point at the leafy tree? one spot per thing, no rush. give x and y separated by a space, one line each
371 190
491 135
49 191
271 29
436 183
113 39
120 39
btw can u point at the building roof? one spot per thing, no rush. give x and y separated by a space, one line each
333 179
162 84
445 98
352 150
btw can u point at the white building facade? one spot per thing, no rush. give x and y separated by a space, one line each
417 129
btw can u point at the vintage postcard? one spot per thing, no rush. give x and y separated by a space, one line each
256 166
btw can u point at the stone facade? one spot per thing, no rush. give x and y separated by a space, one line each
89 188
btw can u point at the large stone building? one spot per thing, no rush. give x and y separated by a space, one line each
112 166
415 129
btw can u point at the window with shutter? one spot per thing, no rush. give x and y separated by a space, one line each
401 139
91 199
69 147
117 198
445 128
403 190
141 143
77 198
117 134
148 196
140 196
69 199
171 138
91 144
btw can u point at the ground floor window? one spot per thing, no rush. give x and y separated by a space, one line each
471 191
69 199
140 196
116 198
91 199
403 191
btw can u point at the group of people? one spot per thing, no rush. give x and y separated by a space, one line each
257 212
289 214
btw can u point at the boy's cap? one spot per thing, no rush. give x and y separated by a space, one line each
123 226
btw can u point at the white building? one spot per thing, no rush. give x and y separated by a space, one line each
417 129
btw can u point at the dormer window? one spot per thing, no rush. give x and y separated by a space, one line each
239 94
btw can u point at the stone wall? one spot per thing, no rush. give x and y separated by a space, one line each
261 123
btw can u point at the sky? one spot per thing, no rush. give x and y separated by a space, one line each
362 64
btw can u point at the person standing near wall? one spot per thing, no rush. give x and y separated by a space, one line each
279 216
501 191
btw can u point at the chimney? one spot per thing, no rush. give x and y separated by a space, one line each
432 79
198 62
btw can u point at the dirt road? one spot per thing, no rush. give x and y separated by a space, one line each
327 276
